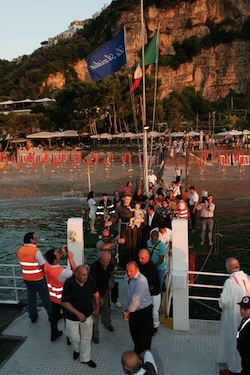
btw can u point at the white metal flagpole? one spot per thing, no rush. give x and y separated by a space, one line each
144 121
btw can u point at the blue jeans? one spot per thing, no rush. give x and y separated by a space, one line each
161 274
41 288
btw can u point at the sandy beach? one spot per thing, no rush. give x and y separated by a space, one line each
63 180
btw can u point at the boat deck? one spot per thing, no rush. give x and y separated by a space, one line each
185 353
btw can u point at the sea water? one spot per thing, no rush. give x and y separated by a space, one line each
48 217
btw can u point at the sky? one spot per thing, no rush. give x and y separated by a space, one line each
24 24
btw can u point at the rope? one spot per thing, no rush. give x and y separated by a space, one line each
205 305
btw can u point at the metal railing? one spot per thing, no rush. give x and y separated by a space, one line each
10 280
206 286
167 300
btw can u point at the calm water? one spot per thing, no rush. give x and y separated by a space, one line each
45 216
48 218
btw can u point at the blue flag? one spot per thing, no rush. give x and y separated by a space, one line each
108 58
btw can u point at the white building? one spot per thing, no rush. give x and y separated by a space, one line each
72 29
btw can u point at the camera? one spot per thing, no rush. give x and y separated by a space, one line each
204 199
65 251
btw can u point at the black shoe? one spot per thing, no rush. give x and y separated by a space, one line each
75 355
90 363
68 341
110 328
54 337
155 330
34 320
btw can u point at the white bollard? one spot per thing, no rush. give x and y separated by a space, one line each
75 241
180 275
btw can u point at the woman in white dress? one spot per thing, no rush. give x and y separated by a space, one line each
92 211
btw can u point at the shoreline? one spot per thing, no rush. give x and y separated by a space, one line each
230 184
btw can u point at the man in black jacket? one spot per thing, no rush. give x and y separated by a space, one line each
153 220
104 210
243 335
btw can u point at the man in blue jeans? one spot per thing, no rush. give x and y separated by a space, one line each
32 262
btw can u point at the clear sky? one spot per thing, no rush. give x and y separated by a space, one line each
24 24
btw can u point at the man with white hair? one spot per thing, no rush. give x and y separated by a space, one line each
234 289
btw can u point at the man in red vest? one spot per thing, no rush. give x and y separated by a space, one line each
55 277
32 262
181 208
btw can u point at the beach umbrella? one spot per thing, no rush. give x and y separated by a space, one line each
193 134
246 132
106 136
7 102
47 135
155 134
235 132
65 134
119 135
228 133
130 135
177 134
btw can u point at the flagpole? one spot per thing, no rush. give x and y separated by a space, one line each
144 122
155 88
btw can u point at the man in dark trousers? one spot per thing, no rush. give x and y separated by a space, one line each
139 308
102 272
78 292
149 270
32 263
243 335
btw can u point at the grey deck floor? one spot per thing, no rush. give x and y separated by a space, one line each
192 352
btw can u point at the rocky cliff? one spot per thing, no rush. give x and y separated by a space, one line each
214 71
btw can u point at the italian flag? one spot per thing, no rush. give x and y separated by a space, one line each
149 58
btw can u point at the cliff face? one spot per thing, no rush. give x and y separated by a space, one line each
215 71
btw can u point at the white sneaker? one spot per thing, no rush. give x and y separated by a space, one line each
118 304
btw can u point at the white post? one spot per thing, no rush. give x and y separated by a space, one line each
201 140
180 275
75 240
89 183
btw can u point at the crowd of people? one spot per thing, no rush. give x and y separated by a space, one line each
136 236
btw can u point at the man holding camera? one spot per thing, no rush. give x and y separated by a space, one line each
207 207
56 276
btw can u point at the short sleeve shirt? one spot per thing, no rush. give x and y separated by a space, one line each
157 251
80 297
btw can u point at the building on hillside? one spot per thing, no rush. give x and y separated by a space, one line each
72 29
23 106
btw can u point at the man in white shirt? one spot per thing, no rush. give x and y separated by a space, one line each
207 208
152 177
193 200
234 289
